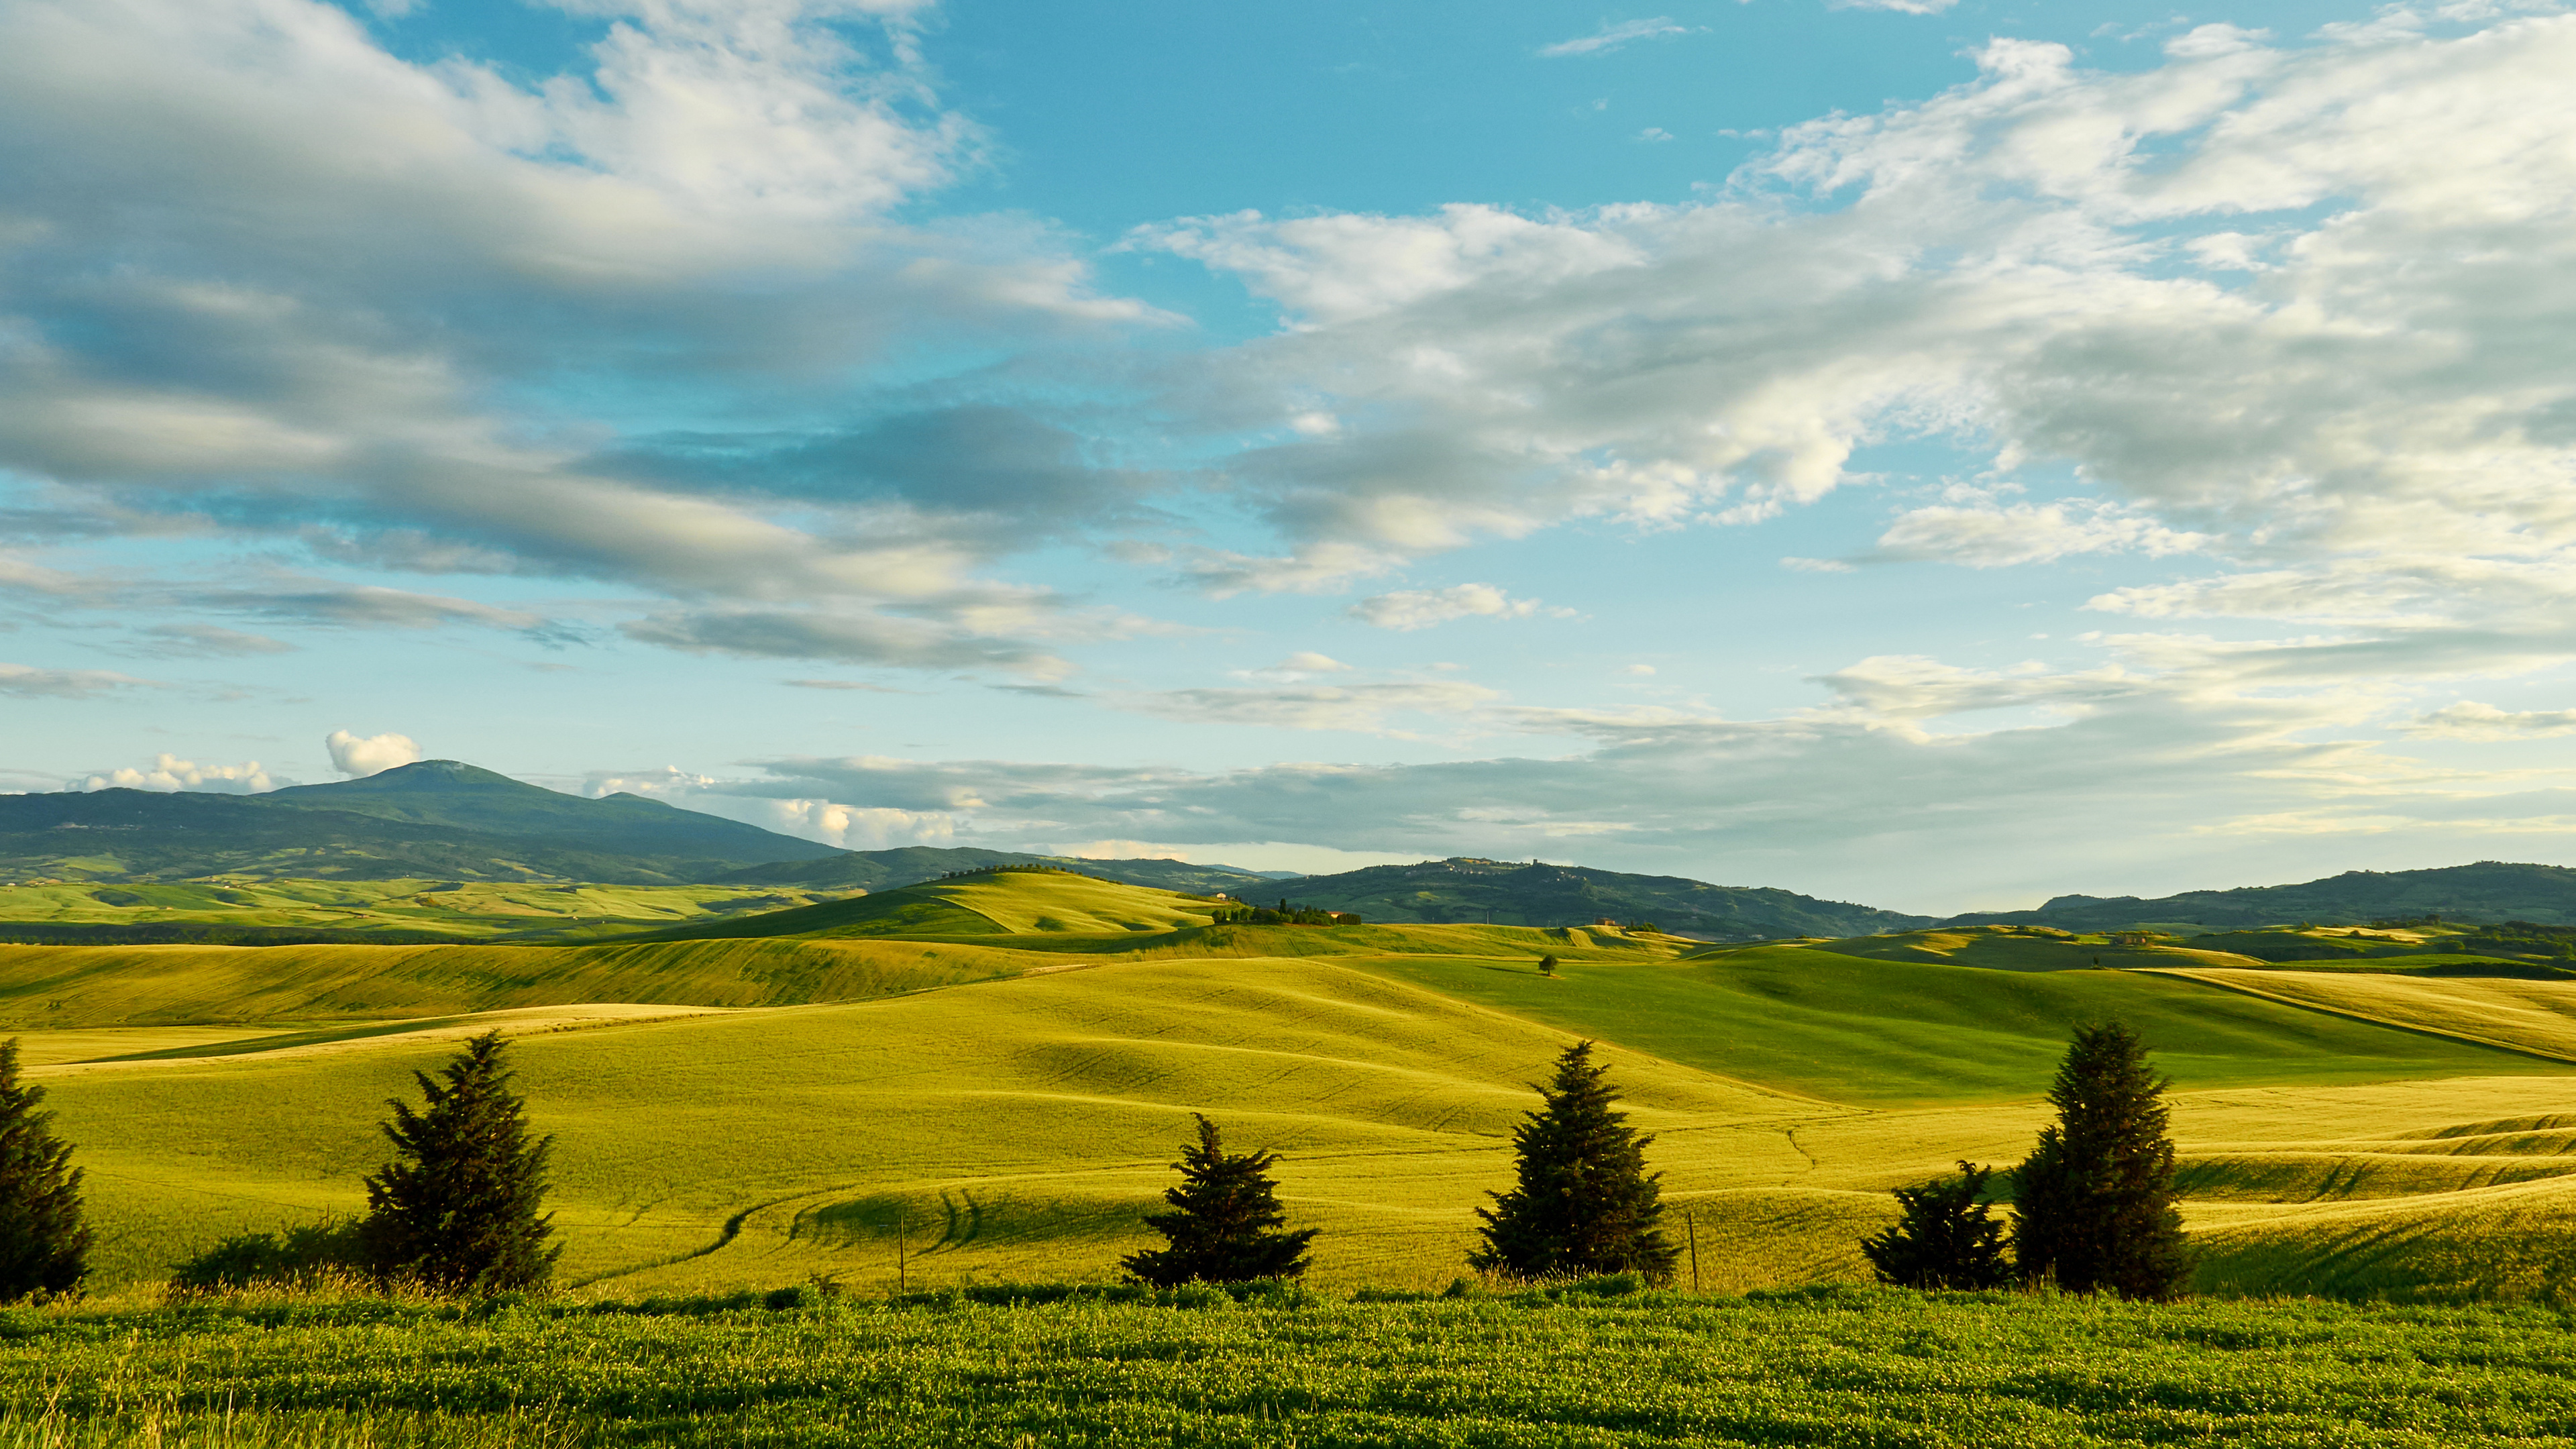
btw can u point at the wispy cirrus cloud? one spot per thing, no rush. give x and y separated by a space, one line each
1614 34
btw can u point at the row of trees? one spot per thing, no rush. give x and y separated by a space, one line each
2095 1205
459 1208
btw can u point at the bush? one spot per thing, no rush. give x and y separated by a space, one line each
1944 1236
303 1258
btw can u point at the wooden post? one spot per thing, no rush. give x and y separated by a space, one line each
1690 1224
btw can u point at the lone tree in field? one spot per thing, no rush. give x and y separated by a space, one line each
457 1210
1226 1225
1585 1203
44 1245
1547 965
1944 1236
2095 1198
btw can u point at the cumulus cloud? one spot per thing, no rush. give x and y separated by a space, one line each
357 757
1422 608
850 827
170 773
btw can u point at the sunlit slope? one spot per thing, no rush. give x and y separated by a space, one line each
1072 914
1814 1021
1017 1129
460 908
991 903
2533 1016
92 986
1046 1101
2013 948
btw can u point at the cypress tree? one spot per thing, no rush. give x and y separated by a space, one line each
1226 1225
1944 1236
2095 1198
44 1244
457 1210
1584 1202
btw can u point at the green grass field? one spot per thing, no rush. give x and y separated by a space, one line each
807 1094
1832 1367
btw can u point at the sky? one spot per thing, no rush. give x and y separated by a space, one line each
1933 453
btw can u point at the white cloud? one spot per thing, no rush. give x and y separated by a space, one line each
372 755
2355 412
329 402
1612 36
1902 7
1362 708
1990 536
2470 720
27 682
170 773
1422 608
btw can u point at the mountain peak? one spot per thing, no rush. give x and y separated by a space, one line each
437 775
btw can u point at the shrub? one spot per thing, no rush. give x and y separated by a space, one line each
1944 1236
307 1257
1227 1225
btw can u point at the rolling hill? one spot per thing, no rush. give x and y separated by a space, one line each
1004 1089
1511 893
876 870
2489 891
434 819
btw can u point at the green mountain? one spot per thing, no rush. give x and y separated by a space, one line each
437 818
879 870
2489 891
1465 889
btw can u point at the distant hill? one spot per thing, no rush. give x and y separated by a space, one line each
1464 889
437 818
879 870
2487 892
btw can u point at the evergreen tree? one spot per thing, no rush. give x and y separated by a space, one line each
1944 1236
1226 1229
2095 1198
44 1245
457 1210
1585 1203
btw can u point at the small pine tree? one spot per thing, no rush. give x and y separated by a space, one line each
2095 1199
44 1244
1584 1203
457 1211
1944 1236
1226 1229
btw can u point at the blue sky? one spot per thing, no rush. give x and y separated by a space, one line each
1940 455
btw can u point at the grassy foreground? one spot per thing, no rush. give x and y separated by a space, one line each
1818 1366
